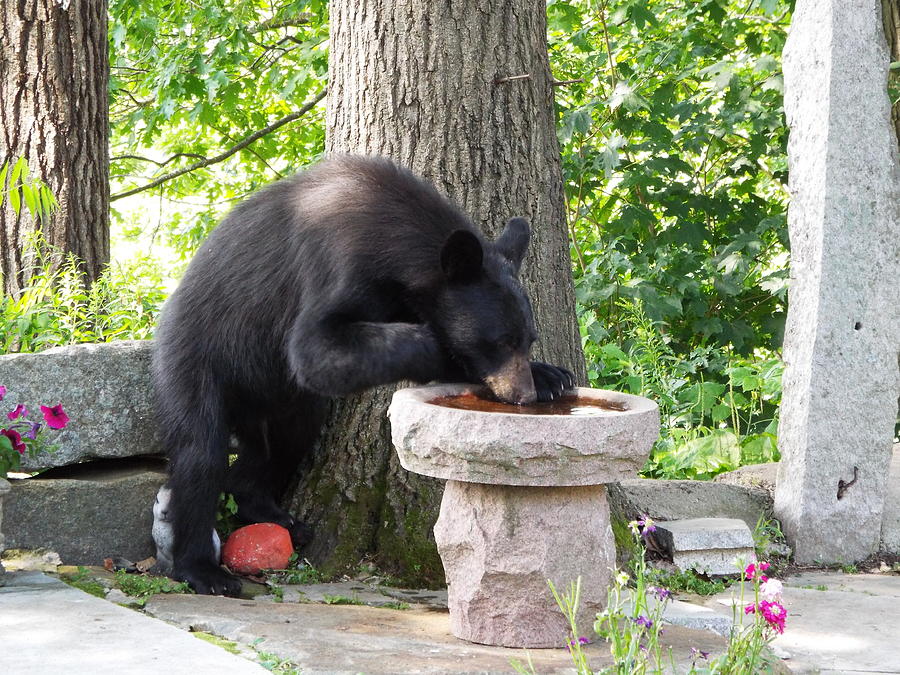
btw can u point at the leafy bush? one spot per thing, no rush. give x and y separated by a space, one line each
57 307
674 160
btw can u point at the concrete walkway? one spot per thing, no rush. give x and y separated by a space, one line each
49 628
837 623
842 623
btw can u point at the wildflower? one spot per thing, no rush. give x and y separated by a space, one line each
15 438
2 392
33 431
55 417
771 589
699 652
19 411
579 641
774 613
645 621
660 593
642 526
622 578
755 569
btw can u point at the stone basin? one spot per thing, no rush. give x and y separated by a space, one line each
525 501
522 449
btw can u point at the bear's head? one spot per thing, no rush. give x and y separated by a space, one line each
482 314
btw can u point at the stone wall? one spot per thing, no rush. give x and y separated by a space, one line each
104 388
94 497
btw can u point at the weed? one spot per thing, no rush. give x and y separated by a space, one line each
342 600
142 586
81 581
686 581
227 645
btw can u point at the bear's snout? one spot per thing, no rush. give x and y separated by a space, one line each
512 382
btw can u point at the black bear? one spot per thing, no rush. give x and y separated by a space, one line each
351 274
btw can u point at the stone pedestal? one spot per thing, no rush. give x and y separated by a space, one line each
500 544
525 502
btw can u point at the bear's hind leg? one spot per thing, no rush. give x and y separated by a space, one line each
197 465
270 449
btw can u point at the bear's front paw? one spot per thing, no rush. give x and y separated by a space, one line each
551 381
208 579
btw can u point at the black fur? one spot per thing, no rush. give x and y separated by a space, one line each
352 274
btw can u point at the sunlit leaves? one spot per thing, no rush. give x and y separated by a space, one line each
189 80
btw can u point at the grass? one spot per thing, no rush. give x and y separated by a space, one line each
342 600
227 645
142 586
81 581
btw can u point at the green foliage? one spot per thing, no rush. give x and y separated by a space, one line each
57 307
686 581
142 586
82 580
298 572
227 645
190 80
674 161
341 600
631 624
21 188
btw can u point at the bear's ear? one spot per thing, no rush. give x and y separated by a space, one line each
461 257
513 241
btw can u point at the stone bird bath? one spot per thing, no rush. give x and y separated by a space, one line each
525 501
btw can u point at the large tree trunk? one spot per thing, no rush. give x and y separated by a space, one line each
54 72
890 10
462 94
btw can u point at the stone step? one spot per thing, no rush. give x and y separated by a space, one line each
707 545
86 512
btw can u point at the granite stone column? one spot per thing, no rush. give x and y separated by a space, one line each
841 380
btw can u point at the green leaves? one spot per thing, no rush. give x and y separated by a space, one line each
190 79
19 187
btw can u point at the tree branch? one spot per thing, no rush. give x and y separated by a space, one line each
227 153
302 19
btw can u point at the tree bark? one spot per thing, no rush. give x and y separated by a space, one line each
890 11
461 93
54 73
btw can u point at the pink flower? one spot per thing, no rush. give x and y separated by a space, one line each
774 613
771 589
19 411
2 392
753 569
16 440
55 417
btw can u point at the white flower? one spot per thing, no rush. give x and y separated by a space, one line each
771 590
622 578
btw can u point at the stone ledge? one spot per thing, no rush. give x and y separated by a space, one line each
104 388
86 513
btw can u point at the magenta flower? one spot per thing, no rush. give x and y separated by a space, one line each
2 392
699 652
756 569
580 641
15 438
774 613
19 411
55 417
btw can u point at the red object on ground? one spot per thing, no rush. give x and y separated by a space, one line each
257 547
